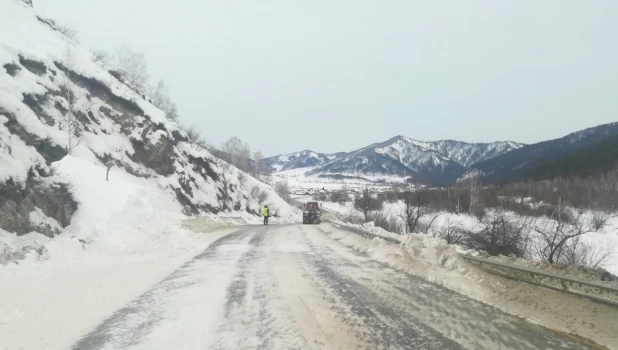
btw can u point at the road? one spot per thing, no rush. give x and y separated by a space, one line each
292 287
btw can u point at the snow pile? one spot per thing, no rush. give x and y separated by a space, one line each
370 228
435 252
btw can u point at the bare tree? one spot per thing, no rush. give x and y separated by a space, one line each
559 230
283 190
257 158
237 153
365 203
132 65
473 188
72 97
414 208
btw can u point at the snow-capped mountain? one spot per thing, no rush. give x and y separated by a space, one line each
523 162
303 159
468 154
66 122
438 162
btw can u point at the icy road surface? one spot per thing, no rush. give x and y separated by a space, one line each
291 287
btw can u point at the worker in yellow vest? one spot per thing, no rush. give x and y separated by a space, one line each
266 214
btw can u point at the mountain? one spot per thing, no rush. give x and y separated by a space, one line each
397 157
468 154
549 158
437 163
589 160
303 159
80 148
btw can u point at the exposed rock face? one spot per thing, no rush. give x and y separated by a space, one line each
29 2
18 204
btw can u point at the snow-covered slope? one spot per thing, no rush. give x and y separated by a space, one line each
298 160
437 163
53 167
468 154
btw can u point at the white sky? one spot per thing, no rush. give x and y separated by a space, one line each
336 75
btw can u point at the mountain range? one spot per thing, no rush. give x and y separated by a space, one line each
442 163
438 162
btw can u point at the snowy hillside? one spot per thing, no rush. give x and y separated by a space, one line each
65 122
468 154
437 163
524 162
298 160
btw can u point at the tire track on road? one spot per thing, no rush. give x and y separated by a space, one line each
127 326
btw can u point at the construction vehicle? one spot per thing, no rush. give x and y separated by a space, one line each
312 213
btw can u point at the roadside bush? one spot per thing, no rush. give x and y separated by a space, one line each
195 136
502 235
382 220
354 218
452 234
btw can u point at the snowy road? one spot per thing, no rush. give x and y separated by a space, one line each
291 287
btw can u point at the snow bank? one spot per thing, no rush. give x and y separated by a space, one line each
438 262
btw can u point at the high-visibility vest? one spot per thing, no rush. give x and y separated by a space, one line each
265 211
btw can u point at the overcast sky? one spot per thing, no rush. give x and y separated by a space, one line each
335 75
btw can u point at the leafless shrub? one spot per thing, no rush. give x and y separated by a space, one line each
599 220
388 223
502 235
340 196
557 234
68 31
101 57
452 234
579 253
353 218
259 194
427 226
194 134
